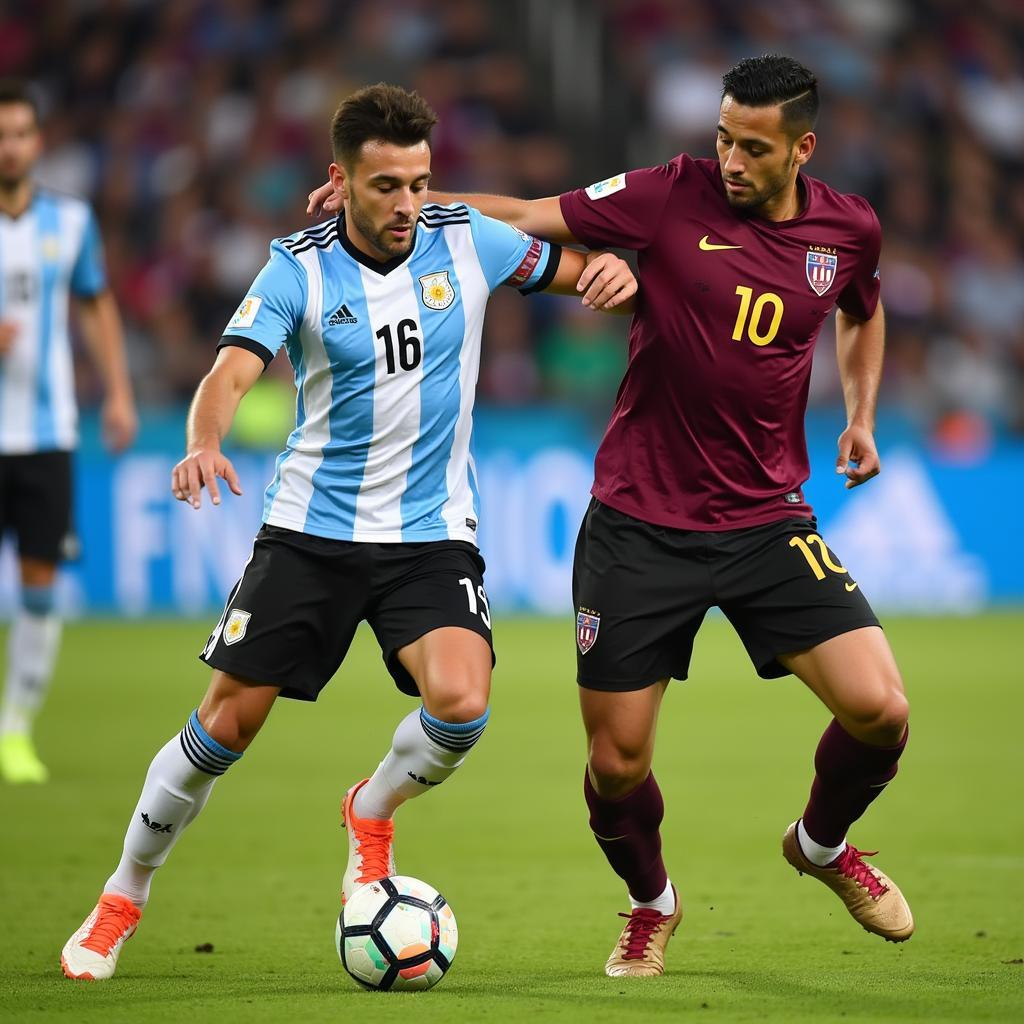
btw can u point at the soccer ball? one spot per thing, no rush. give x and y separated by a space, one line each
397 933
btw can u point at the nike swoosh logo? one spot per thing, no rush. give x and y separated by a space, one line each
707 246
608 839
851 587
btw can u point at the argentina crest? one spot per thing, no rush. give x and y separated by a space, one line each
588 622
821 267
438 292
237 624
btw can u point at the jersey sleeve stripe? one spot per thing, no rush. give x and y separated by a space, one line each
235 341
548 274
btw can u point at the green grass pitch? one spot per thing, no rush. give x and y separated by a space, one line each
507 842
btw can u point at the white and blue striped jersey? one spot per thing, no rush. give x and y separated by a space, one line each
386 357
48 252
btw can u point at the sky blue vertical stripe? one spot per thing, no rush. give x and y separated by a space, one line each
47 227
352 354
444 331
299 369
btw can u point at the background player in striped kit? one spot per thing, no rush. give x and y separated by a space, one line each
373 510
49 253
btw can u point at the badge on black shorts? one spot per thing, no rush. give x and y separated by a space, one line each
237 624
588 622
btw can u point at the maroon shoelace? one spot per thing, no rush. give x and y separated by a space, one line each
642 924
849 863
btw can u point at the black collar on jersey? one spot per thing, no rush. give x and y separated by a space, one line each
368 261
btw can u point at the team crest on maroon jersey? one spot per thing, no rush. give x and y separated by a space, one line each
821 268
588 622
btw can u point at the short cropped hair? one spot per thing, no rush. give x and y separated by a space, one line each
770 80
381 112
13 90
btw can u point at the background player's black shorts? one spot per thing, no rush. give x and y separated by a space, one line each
35 504
647 588
291 617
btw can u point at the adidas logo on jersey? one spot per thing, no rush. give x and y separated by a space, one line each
342 316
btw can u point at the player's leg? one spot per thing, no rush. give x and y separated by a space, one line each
434 627
177 785
623 797
38 507
284 630
797 610
641 593
856 677
32 646
626 811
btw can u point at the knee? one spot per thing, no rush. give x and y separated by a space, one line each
228 721
459 707
616 770
881 720
456 695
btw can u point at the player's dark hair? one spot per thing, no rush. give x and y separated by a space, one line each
13 90
381 112
770 80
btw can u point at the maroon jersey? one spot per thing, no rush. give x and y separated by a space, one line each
707 431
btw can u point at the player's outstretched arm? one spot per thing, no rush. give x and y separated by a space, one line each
860 348
100 324
605 280
539 217
209 420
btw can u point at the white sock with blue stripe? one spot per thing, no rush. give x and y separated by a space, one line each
424 752
178 784
32 646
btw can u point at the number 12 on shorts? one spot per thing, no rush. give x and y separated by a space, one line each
481 607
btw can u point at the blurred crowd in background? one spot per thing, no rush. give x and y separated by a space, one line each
197 128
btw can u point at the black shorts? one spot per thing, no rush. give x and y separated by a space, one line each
291 617
35 504
641 593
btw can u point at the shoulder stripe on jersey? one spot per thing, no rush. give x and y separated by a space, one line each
316 243
305 236
447 215
313 234
303 244
436 209
443 223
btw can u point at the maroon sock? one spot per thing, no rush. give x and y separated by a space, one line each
627 831
849 774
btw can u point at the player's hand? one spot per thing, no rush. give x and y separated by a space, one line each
858 458
120 422
201 468
8 332
606 282
323 200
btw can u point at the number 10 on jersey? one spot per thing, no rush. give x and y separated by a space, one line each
751 321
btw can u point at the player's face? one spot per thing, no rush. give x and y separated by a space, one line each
20 143
759 160
383 192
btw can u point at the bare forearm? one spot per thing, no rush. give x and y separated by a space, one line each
540 217
860 351
100 324
213 408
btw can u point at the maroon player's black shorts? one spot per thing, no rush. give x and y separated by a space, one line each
35 504
642 591
291 617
